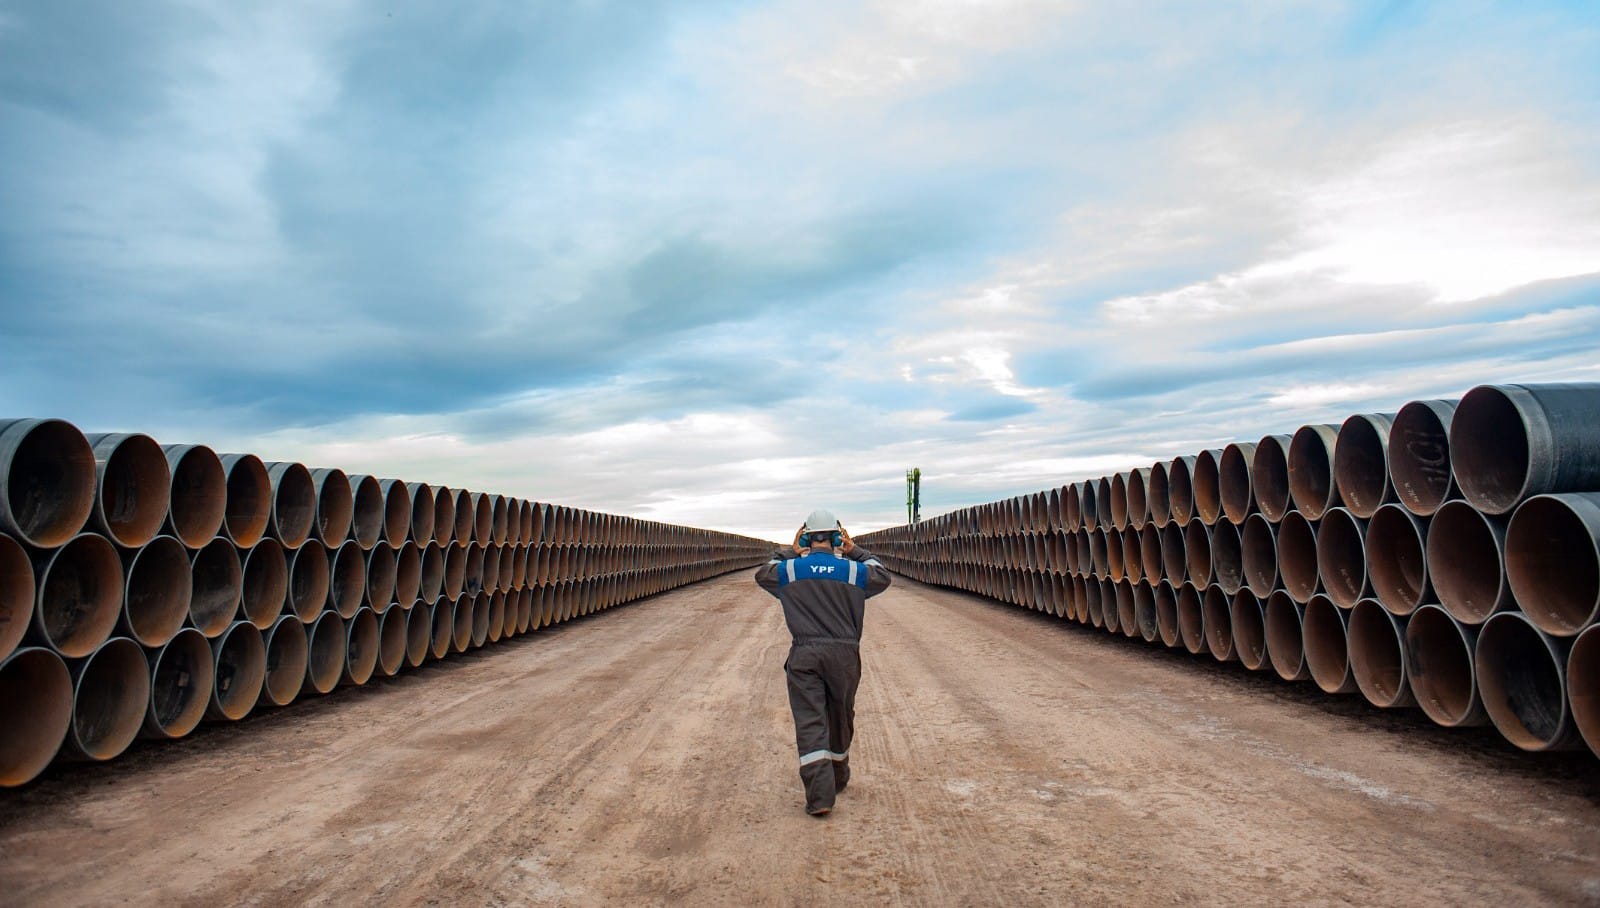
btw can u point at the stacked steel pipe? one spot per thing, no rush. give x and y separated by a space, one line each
1444 557
147 588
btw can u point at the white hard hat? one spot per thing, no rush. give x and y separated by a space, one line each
821 521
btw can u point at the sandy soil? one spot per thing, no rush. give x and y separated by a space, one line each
645 756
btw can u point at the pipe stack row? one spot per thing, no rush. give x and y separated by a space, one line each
1445 556
147 588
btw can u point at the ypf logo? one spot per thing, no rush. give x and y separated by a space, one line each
821 568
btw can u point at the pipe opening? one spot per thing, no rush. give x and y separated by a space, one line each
309 580
1553 561
483 518
241 670
1397 559
1311 486
397 512
347 584
407 573
1419 455
1249 630
16 595
1205 485
1342 557
497 617
1259 555
1464 562
1439 666
461 638
266 584
1324 646
431 581
108 702
1138 502
382 569
1284 637
336 505
134 488
1217 614
1376 643
80 595
361 647
1269 476
419 634
1520 678
1180 490
465 517
1361 463
1489 449
35 710
294 504
424 514
1297 556
1197 545
180 685
1109 607
218 584
1158 495
49 480
1583 686
288 654
249 499
1227 557
199 494
392 640
367 511
1166 606
1127 610
1234 481
1174 556
327 643
158 591
442 613
444 515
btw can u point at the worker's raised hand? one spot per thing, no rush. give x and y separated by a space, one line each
848 543
799 535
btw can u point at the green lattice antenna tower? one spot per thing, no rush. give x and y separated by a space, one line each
913 495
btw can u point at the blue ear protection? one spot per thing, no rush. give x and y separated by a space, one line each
837 538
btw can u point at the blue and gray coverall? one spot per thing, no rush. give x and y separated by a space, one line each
824 597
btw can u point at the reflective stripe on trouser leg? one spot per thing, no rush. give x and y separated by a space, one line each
822 683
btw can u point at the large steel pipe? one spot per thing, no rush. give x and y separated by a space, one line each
288 654
1361 463
1088 491
481 605
392 640
309 581
1553 561
157 591
1377 646
1285 640
1326 646
199 494
294 504
1439 666
1522 680
35 711
1206 484
483 518
1397 559
47 480
16 595
1342 557
1127 610
1466 562
367 513
1180 489
249 499
110 691
1109 606
466 517
1248 618
1197 550
397 503
347 585
266 584
1259 555
1191 619
1174 556
336 506
381 572
240 668
1166 607
79 599
443 621
1150 554
431 578
419 634
1419 455
218 580
1511 442
461 624
1138 501
1583 686
1227 557
1158 495
132 488
1311 480
1297 557
1269 476
361 647
1234 481
1217 610
444 515
180 685
326 639
407 574
424 512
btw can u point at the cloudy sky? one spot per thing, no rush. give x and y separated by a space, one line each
720 263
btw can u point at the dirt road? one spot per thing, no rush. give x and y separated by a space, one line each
646 756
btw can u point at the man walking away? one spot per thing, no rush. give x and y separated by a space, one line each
823 584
